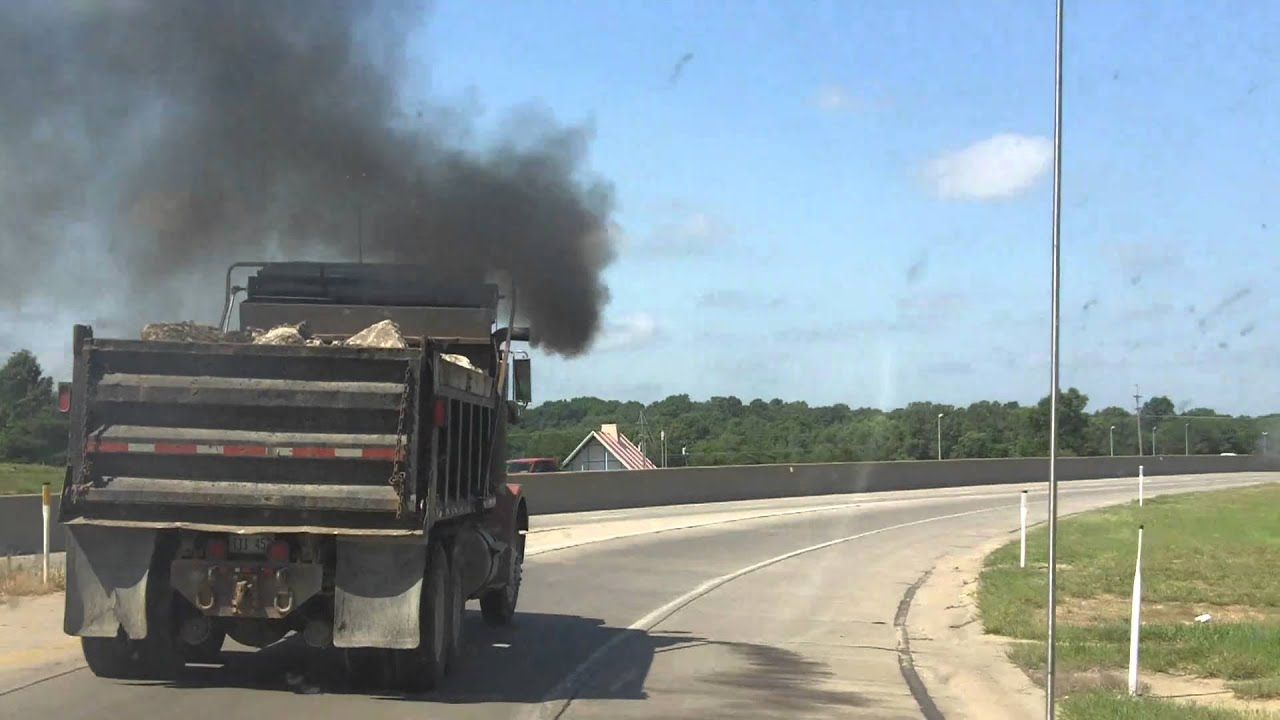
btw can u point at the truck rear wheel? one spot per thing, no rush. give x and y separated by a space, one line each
119 658
498 605
155 657
457 604
423 667
209 651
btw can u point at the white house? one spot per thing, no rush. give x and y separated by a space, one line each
606 449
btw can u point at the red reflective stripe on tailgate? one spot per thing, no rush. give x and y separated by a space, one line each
313 452
108 447
378 453
176 448
244 450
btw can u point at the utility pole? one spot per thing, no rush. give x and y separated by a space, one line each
940 415
1186 438
1137 411
1111 435
1050 673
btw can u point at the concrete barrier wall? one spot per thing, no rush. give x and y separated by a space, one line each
583 491
20 525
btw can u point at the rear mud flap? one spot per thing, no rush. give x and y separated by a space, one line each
107 570
377 591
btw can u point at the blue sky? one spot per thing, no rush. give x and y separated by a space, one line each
849 202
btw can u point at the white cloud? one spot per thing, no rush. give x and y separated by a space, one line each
687 231
834 97
998 167
627 333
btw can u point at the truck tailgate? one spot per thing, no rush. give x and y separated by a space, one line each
242 435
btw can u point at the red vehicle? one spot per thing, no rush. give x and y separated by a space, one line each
532 465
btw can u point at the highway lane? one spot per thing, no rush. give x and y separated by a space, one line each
657 624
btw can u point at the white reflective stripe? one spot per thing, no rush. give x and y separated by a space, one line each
142 447
348 452
280 451
208 449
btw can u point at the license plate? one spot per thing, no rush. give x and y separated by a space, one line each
250 544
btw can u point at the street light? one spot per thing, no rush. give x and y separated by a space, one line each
940 436
1264 442
1153 440
1111 435
1186 438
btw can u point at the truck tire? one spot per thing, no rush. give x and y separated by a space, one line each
423 667
498 605
119 658
209 651
115 658
155 657
457 604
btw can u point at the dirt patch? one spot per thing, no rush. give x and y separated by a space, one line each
1202 691
1113 608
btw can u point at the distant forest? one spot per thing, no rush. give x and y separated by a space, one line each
728 431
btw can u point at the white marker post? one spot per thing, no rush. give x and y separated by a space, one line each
1022 513
1135 619
1141 483
45 507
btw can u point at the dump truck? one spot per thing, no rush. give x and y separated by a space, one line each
219 486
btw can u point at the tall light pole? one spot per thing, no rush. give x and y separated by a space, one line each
940 436
1186 438
1264 442
1153 440
1111 436
1051 658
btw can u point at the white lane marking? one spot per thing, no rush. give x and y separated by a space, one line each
690 526
868 503
549 708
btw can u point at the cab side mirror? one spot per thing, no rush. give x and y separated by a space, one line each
522 380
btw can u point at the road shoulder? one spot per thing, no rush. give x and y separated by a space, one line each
967 672
32 644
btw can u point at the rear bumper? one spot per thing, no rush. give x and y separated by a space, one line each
246 589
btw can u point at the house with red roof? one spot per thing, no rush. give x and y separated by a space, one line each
606 449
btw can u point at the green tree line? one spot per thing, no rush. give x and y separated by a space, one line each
726 430
31 428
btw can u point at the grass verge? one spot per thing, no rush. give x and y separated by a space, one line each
22 478
1099 705
25 581
1216 553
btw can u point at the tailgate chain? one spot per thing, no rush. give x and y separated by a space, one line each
397 469
84 478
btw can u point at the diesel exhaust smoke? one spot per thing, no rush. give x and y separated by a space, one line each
155 142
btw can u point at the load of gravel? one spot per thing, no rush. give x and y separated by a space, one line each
385 334
282 335
182 332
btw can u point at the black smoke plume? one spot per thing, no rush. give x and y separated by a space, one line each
169 138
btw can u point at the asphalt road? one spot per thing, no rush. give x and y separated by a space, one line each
720 612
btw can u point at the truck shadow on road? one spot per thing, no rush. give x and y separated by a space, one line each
522 663
528 662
